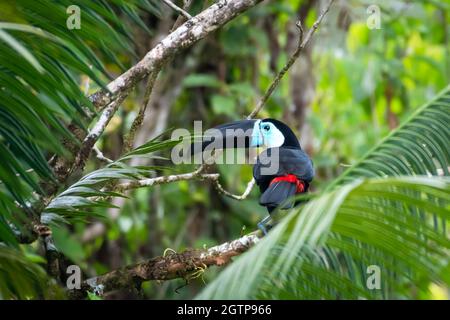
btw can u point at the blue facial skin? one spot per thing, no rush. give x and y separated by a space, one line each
266 134
257 138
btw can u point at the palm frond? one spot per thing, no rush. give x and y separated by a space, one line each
367 222
20 277
41 64
92 190
418 147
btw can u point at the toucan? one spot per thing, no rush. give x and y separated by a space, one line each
281 170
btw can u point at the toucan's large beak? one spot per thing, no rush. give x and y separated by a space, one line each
237 134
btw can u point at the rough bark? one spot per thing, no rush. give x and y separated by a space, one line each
184 36
188 264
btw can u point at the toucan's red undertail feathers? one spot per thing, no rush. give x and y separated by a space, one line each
291 178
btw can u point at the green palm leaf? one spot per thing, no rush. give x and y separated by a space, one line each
364 223
92 189
20 277
418 147
41 64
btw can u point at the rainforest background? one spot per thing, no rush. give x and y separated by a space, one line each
370 101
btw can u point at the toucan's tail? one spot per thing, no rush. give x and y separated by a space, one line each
279 192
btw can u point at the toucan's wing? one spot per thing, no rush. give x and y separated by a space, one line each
284 161
292 161
280 192
296 161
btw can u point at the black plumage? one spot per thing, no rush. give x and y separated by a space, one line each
290 161
291 168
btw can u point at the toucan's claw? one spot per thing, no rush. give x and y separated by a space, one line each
262 225
262 228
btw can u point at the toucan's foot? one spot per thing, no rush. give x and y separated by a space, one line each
264 226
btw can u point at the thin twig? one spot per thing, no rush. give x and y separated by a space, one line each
137 122
221 190
197 174
182 19
177 9
96 131
301 45
165 179
100 156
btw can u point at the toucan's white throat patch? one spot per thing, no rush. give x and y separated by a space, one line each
266 134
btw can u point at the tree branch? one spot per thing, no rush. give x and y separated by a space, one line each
221 190
96 131
165 179
188 265
52 255
184 36
137 122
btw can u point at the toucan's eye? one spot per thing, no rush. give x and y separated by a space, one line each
266 127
